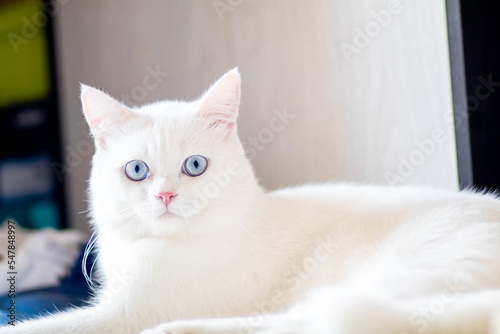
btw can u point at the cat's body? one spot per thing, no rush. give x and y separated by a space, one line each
316 259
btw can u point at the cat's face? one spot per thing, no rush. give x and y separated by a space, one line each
169 167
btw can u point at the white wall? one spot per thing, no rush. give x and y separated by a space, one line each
354 120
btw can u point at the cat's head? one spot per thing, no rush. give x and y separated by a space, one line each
170 167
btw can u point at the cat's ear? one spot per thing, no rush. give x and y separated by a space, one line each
103 113
220 104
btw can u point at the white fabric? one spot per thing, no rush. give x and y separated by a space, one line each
42 258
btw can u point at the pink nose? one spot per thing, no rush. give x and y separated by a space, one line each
166 197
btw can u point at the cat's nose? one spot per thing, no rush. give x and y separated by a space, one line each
166 197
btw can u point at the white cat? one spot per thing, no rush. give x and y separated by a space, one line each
189 243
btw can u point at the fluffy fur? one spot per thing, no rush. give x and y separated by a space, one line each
227 257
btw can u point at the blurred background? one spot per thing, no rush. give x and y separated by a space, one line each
389 92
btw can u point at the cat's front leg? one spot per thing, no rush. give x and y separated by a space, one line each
88 320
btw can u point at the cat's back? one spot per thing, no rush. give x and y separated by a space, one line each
357 213
376 196
376 224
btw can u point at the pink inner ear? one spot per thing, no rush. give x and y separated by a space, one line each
221 102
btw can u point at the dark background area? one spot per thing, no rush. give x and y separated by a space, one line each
481 51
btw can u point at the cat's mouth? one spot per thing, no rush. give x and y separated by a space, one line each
168 214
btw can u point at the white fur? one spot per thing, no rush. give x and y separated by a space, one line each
312 259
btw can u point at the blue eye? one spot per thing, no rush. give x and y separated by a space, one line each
136 170
195 165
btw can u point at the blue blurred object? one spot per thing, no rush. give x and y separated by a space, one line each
73 291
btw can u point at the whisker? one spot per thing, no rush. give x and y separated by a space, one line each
88 249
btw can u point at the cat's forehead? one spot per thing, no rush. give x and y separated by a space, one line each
174 111
167 129
167 120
